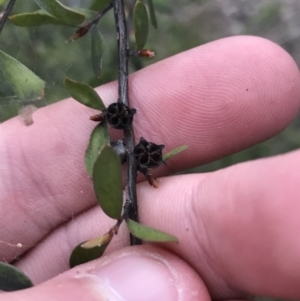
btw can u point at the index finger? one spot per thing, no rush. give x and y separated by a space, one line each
218 98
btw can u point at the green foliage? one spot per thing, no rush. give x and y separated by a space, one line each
99 137
26 85
88 13
84 94
149 234
41 17
141 24
36 18
43 50
174 152
61 12
12 279
89 250
98 48
107 178
99 4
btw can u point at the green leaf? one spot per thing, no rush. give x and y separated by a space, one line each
99 4
97 51
41 17
149 234
89 250
174 152
141 24
98 138
27 85
84 94
89 14
12 279
61 12
152 13
36 18
81 255
107 178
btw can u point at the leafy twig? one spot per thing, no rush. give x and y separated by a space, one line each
129 141
6 13
82 31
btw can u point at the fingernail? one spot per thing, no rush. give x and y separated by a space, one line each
137 278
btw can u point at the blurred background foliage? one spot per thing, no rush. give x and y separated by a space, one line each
183 24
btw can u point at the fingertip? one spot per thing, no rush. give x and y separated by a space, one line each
144 273
151 274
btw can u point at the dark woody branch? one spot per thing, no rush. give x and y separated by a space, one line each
123 46
6 13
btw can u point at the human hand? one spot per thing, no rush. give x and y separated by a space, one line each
237 227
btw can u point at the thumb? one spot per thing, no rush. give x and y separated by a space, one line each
141 273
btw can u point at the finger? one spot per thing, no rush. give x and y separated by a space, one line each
237 228
243 227
43 180
143 274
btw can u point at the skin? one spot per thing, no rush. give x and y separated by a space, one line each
238 227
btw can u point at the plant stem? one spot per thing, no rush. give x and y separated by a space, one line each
6 13
129 141
102 13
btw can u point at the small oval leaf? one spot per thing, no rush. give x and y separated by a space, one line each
36 18
152 13
97 51
174 152
141 24
61 12
107 178
98 138
89 250
84 94
149 234
12 279
27 85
